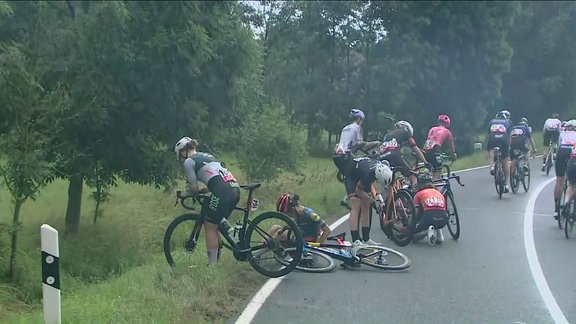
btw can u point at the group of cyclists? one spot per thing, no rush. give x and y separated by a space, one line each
361 173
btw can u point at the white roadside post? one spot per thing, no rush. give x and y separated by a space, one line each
50 274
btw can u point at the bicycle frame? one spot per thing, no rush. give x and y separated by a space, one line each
333 250
239 248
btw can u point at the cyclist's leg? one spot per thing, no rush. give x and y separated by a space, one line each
433 157
560 169
513 156
490 144
505 154
351 182
571 175
546 142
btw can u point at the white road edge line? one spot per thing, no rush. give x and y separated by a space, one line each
533 261
267 289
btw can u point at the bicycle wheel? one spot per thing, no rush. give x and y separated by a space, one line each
259 242
313 261
514 182
526 178
384 258
549 162
453 219
569 219
498 180
179 245
402 213
560 216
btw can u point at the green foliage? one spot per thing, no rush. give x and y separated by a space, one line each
269 131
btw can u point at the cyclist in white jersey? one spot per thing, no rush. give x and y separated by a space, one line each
551 131
225 192
566 141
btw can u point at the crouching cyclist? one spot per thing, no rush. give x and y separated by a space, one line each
431 206
312 227
566 141
519 136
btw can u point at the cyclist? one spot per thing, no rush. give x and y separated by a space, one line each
567 139
350 141
437 135
519 136
362 193
391 147
311 225
571 175
203 167
431 206
499 136
551 131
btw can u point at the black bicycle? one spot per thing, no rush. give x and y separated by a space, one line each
499 176
560 205
570 219
551 154
252 241
318 257
443 185
521 173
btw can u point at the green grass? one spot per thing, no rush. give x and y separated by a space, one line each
116 272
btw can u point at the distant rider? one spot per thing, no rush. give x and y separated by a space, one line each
551 132
437 135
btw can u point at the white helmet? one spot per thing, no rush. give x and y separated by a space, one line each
571 123
383 173
506 114
181 144
406 125
356 113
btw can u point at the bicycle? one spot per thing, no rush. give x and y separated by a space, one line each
521 173
245 247
570 219
560 215
443 185
374 256
445 167
499 176
397 217
551 156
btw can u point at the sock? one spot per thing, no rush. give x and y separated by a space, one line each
212 255
366 233
355 235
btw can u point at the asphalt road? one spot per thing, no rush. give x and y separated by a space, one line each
485 277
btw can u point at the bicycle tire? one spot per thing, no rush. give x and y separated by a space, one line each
368 260
549 162
514 182
198 221
296 241
498 176
569 226
403 236
452 216
561 202
526 178
303 264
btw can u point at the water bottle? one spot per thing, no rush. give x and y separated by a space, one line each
237 229
345 253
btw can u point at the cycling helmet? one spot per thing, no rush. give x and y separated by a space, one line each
506 114
555 115
444 119
500 115
563 123
383 173
285 202
571 124
523 121
180 145
356 113
406 125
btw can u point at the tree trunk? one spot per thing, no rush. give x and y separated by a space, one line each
14 236
74 204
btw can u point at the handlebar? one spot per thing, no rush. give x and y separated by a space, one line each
452 176
195 198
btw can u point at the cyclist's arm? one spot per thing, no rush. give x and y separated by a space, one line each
452 146
418 152
325 232
191 179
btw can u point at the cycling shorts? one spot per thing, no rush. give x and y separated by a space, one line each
517 148
501 141
562 157
436 218
434 158
221 203
344 162
550 135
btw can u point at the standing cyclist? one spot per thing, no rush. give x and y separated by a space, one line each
499 136
437 135
203 167
519 136
566 141
551 130
351 141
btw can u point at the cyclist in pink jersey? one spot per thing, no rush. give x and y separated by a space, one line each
437 136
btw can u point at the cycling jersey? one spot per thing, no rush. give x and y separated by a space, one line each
567 139
437 135
552 124
350 136
396 139
499 136
520 132
310 224
225 192
500 126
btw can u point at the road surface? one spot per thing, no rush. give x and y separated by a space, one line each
491 275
